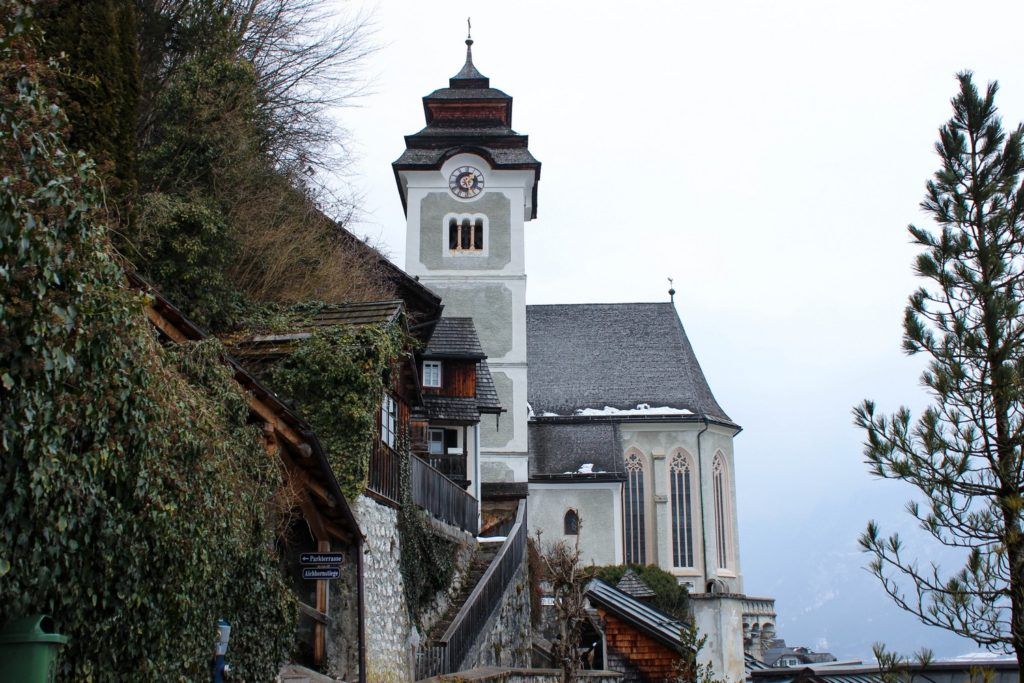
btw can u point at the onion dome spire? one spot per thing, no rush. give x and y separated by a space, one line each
469 77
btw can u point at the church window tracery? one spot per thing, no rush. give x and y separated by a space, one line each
635 512
682 510
720 485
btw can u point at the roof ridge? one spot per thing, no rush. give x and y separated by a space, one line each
606 303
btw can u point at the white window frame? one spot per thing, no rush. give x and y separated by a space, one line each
430 441
388 419
434 365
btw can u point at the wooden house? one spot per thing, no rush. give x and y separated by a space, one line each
326 523
458 391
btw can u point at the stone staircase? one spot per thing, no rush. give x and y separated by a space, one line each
482 559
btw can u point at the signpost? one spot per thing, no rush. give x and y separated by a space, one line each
320 573
321 558
327 565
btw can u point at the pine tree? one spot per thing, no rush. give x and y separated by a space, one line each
964 453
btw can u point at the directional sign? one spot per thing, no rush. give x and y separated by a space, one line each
321 558
321 573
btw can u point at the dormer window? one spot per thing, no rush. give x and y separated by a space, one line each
466 233
431 373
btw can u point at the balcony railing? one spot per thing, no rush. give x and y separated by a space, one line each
443 498
385 480
447 654
451 465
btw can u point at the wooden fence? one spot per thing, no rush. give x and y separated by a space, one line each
385 480
443 498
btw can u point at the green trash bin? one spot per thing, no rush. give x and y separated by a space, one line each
28 650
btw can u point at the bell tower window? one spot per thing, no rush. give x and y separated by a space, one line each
466 234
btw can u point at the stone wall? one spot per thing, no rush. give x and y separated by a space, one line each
506 639
516 675
390 633
388 627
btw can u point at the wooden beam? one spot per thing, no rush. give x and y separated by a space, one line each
164 325
293 437
338 532
320 629
313 519
314 487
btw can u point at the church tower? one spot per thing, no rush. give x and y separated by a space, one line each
468 185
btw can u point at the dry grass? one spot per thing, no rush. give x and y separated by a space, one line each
290 251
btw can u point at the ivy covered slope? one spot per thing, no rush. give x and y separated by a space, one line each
133 496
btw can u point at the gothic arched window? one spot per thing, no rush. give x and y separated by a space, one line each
636 521
571 523
723 525
680 478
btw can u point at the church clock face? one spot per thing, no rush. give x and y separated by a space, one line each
466 182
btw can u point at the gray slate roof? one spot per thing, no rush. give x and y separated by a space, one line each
454 338
618 355
632 583
460 410
487 400
557 449
652 622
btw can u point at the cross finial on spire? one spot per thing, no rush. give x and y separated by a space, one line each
469 30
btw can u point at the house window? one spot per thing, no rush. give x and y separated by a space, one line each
571 523
388 420
682 510
466 233
720 484
431 373
444 442
636 522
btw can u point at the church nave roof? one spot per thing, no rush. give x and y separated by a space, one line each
584 358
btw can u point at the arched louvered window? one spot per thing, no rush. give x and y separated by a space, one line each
571 523
634 504
723 524
680 482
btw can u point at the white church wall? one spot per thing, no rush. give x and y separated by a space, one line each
599 506
720 618
657 442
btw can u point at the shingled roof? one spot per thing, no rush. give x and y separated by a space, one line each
487 400
255 351
592 356
454 338
652 622
575 452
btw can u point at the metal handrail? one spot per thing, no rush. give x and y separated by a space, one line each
448 653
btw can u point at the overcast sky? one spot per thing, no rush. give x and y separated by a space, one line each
766 155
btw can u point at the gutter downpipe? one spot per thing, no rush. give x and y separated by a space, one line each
700 489
361 607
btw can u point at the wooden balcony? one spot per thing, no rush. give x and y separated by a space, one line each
431 489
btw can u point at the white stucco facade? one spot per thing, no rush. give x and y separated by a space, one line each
488 285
